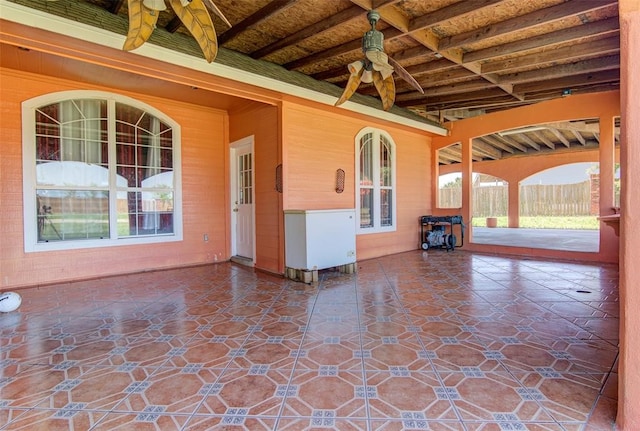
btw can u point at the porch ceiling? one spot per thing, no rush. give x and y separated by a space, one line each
471 57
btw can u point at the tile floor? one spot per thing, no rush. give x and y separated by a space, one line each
414 341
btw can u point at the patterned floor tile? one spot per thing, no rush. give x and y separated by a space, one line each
169 390
341 394
101 388
151 420
321 421
418 340
492 397
415 421
69 417
400 393
255 391
231 421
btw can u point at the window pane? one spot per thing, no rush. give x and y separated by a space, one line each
143 150
83 130
47 148
72 130
146 213
47 133
72 215
71 174
386 215
376 181
366 207
366 160
385 162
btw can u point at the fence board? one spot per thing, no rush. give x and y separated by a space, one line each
535 200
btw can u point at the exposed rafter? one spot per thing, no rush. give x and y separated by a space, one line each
468 56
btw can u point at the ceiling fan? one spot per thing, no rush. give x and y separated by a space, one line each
377 67
194 14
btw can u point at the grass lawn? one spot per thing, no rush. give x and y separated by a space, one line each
578 222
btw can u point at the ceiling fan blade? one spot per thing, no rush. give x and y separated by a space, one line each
386 88
402 73
142 21
217 11
352 84
197 20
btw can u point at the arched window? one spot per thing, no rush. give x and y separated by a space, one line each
99 170
376 178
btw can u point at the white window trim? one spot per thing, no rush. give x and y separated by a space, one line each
376 196
31 243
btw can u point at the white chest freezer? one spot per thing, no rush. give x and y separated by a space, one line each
319 239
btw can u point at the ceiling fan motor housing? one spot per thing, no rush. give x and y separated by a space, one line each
373 39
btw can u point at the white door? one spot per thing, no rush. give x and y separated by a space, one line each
242 198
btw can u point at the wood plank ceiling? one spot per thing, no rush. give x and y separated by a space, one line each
470 56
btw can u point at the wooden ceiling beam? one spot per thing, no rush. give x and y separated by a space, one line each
510 141
426 37
560 137
353 45
438 78
469 96
451 152
579 67
464 87
439 65
579 137
448 158
488 105
578 126
377 4
454 152
533 144
342 17
455 11
494 143
599 28
569 81
504 146
523 22
486 149
552 93
608 46
540 137
415 52
272 8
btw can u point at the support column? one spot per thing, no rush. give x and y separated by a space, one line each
609 241
629 368
514 204
467 185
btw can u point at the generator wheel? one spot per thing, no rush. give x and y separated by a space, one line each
451 242
425 245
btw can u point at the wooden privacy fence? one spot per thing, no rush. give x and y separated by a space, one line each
535 200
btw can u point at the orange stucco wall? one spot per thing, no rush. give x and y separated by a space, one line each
629 369
317 142
262 122
204 134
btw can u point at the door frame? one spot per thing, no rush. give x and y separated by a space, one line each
233 194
